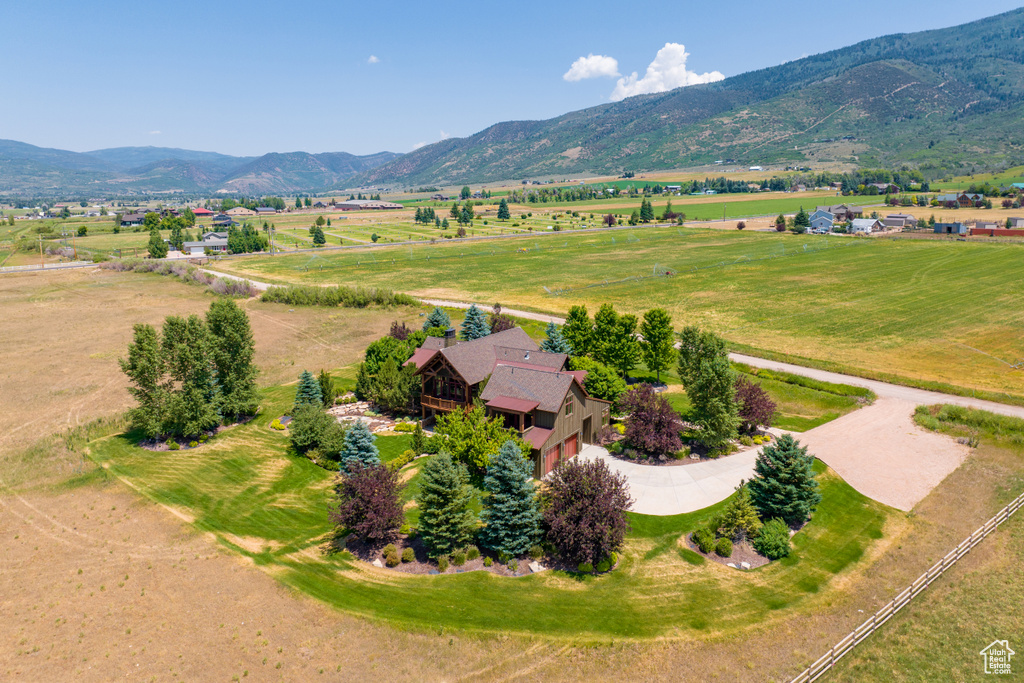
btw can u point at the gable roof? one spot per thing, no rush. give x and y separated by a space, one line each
475 359
546 388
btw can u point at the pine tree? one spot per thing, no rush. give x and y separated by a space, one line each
233 349
157 246
646 211
656 330
318 236
360 446
503 212
466 215
510 513
455 212
308 391
739 519
475 324
554 341
328 392
446 521
578 331
437 318
801 220
784 484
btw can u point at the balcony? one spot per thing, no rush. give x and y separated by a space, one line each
442 404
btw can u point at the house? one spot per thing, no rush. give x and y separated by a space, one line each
950 229
240 211
200 212
899 220
886 188
961 199
211 242
130 220
530 389
443 198
822 220
842 212
673 188
222 220
1016 222
865 226
360 204
987 225
318 205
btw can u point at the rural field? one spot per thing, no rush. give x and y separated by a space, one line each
889 307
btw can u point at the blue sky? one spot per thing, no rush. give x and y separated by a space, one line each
256 77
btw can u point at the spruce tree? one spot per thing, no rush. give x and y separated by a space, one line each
503 212
437 318
360 446
646 211
308 390
446 521
510 513
233 349
784 484
157 247
328 391
555 342
454 212
739 519
578 331
475 324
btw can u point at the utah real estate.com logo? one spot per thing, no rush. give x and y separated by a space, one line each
997 657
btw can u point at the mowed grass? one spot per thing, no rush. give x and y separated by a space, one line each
270 505
944 312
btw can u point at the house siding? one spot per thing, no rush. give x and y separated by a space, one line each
565 427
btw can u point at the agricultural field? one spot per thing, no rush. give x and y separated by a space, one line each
904 307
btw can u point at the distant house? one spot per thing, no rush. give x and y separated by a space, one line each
200 212
528 388
899 220
211 242
956 228
130 220
843 213
886 188
1019 186
822 220
1016 222
961 199
361 204
240 211
865 226
987 225
443 198
269 210
673 188
222 220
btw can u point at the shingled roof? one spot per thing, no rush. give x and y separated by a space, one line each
475 359
546 388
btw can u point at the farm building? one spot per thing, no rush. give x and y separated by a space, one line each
530 389
822 220
240 211
265 210
950 229
987 225
1016 222
865 226
899 220
360 204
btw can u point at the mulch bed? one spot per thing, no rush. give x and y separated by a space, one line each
698 453
741 552
350 413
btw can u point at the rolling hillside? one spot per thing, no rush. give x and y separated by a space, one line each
949 98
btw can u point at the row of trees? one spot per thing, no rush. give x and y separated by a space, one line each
621 341
193 374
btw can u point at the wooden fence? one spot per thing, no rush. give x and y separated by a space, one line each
859 634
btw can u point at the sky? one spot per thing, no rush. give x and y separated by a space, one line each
247 78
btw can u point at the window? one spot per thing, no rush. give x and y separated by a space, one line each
568 406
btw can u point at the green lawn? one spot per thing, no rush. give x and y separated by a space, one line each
270 505
927 311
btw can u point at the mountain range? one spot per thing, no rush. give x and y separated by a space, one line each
943 101
29 170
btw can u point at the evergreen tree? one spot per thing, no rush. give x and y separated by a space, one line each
233 350
444 224
157 247
317 233
475 324
646 211
801 220
783 485
360 446
446 521
578 331
554 341
328 392
503 212
437 318
298 202
739 519
394 388
510 513
145 369
634 218
466 215
308 390
455 212
656 330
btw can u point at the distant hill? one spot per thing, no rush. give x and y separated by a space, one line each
949 98
38 171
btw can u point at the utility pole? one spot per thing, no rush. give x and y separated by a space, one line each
41 264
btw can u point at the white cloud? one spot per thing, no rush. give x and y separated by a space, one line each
592 66
445 136
666 72
420 144
154 132
373 59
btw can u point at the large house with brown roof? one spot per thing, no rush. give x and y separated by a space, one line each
531 389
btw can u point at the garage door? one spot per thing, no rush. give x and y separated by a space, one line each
571 446
550 459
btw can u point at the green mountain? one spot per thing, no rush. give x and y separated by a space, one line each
941 100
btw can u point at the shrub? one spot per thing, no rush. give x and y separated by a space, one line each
603 566
405 530
459 558
390 548
442 564
704 539
614 558
513 565
536 552
311 427
586 510
682 453
203 438
346 297
585 568
756 408
773 541
739 518
408 555
472 552
620 428
652 426
746 440
391 559
405 427
193 444
173 445
401 461
488 561
724 547
369 502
